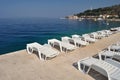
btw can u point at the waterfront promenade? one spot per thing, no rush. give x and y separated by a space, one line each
21 66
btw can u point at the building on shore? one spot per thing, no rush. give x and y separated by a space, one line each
72 17
95 18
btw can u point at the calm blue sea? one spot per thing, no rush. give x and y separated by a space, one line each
16 33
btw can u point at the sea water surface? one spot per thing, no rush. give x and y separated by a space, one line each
16 33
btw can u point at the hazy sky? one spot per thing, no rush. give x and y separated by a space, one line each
48 8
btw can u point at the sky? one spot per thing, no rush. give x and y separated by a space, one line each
49 8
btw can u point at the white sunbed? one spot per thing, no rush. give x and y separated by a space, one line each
105 68
109 54
110 57
115 29
62 45
77 42
113 62
88 38
114 47
44 51
95 35
85 38
108 32
68 40
118 28
104 33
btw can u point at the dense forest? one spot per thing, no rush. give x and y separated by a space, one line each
112 10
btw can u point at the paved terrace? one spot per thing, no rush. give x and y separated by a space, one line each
21 66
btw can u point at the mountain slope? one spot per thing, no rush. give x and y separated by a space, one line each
112 10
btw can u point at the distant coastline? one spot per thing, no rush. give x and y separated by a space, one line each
111 13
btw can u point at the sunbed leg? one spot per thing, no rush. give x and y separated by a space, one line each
78 65
88 70
84 68
109 48
61 48
28 50
99 56
39 53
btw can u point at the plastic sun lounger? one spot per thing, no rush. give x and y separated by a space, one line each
68 40
105 33
75 41
95 35
108 32
66 46
115 30
88 38
113 62
44 51
114 47
102 33
79 41
105 68
84 37
110 56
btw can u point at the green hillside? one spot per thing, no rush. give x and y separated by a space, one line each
112 10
